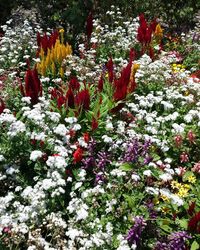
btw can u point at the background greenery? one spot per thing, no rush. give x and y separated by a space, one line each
178 14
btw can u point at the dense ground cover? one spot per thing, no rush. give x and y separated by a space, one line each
99 148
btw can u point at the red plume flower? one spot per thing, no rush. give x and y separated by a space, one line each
194 223
83 99
78 155
110 68
89 25
33 87
2 106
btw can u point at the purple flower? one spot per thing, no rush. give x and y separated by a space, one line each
132 152
177 240
102 160
99 178
135 233
161 246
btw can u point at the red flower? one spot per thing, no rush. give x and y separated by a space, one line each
100 84
110 68
33 87
191 136
70 98
184 157
178 140
74 84
78 155
95 124
89 25
193 224
2 106
86 137
83 99
191 208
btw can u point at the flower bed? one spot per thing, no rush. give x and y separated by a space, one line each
99 149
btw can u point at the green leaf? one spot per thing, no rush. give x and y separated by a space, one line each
183 223
195 245
126 166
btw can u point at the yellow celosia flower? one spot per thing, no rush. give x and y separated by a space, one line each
158 31
54 58
134 69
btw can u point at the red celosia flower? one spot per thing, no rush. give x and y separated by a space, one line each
33 87
2 106
83 99
100 84
191 208
70 98
95 124
86 137
89 25
194 223
73 83
78 155
110 69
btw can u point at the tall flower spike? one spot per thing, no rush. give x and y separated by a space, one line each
2 106
89 25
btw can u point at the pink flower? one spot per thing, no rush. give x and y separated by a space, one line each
184 157
178 140
191 136
196 167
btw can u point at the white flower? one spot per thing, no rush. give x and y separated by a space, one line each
15 128
151 190
56 161
71 120
165 177
76 127
147 173
73 233
82 213
135 177
26 99
177 200
78 185
107 139
35 155
60 130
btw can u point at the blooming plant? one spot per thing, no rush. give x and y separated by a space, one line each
98 149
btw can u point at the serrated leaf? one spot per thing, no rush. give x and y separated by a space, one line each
183 223
195 245
126 166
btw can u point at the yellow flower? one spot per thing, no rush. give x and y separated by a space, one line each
159 31
164 198
165 210
61 30
186 93
183 192
191 179
175 184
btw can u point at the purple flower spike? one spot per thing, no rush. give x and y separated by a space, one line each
134 234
